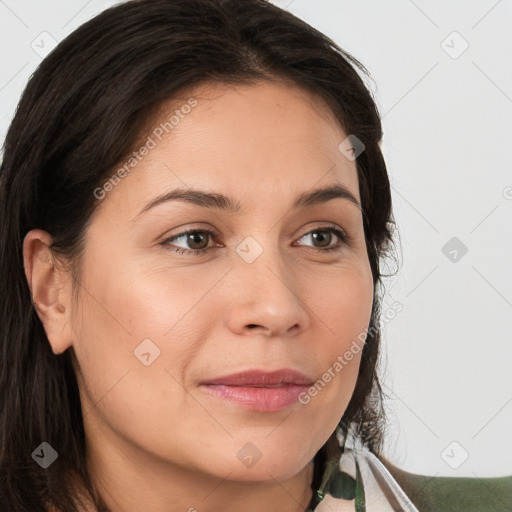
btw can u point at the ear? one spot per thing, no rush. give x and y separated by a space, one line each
50 287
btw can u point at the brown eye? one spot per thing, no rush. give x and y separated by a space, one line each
323 237
195 241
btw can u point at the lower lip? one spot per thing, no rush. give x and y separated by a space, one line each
258 398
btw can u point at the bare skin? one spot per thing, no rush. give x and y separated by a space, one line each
156 439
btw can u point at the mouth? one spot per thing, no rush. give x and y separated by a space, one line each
258 390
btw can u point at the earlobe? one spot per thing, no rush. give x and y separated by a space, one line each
49 288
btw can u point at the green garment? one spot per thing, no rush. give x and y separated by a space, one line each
371 484
455 494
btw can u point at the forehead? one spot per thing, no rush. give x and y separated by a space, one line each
256 140
268 115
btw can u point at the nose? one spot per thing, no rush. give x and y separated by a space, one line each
264 297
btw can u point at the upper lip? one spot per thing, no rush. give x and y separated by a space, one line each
262 378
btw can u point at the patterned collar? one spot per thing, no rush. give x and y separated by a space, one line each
359 476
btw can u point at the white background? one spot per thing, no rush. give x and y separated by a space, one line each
447 142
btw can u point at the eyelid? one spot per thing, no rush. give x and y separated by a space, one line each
345 238
211 232
191 228
326 226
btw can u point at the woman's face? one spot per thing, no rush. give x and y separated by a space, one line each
155 320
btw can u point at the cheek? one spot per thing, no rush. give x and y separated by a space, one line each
341 301
136 336
341 309
143 322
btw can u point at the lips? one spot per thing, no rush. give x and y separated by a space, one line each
258 390
259 378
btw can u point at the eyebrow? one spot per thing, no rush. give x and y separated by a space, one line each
219 201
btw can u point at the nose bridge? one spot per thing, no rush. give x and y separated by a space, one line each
264 291
261 256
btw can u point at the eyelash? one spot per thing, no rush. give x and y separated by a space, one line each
342 235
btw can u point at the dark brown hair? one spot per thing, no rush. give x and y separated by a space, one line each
82 112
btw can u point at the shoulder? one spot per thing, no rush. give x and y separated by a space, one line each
454 493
